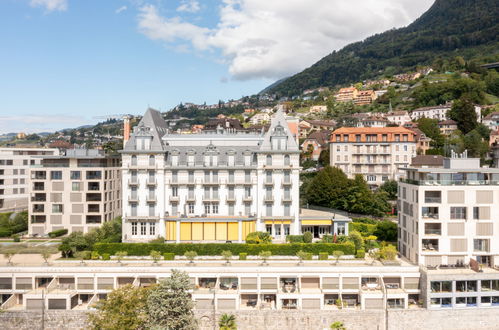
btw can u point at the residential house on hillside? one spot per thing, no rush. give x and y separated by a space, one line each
373 121
438 112
224 123
307 126
377 153
427 161
259 118
407 76
398 117
316 142
347 94
365 97
422 141
318 109
447 127
492 121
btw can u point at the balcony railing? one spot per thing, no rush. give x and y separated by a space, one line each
452 182
431 231
133 181
151 181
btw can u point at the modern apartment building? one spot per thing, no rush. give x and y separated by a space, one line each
377 153
76 191
214 186
245 285
14 168
447 216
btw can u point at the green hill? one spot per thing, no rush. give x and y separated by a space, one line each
467 28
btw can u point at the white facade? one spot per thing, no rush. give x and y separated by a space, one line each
439 112
173 185
447 216
14 174
398 117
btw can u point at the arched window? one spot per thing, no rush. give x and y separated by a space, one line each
286 160
269 160
134 160
152 160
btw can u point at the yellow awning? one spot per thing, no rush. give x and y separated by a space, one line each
317 222
285 222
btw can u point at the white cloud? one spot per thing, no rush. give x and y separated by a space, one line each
119 10
273 39
190 6
50 5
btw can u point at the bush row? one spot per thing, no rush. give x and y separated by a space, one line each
57 233
214 249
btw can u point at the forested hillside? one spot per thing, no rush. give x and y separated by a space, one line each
467 28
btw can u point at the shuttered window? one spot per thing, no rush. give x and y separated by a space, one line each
485 229
350 282
455 196
458 245
452 260
248 283
105 283
85 283
433 260
411 283
57 304
5 283
330 283
310 283
372 303
268 283
24 283
455 229
484 197
311 304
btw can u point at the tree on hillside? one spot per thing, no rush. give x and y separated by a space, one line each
327 188
324 157
386 231
390 187
475 144
169 305
430 128
463 112
360 199
124 308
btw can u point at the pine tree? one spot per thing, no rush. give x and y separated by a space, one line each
169 306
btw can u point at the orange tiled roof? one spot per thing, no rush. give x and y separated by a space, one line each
390 131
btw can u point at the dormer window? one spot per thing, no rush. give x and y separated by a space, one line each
279 138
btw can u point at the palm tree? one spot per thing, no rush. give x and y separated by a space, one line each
227 322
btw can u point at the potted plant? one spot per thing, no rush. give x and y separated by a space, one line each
227 255
120 255
264 255
156 256
337 254
190 255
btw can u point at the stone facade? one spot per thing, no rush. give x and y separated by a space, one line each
483 319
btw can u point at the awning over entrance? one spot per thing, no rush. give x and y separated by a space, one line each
278 222
316 222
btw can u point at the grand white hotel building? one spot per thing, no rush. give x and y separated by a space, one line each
215 186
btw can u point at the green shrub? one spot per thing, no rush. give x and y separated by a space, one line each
16 238
304 255
169 256
158 240
4 232
294 238
243 256
307 237
258 237
323 256
364 229
95 255
106 256
84 255
215 249
57 233
327 239
360 254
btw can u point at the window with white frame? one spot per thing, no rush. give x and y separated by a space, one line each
215 208
191 208
152 228
134 228
175 191
207 208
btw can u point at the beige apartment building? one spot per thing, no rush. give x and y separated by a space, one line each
377 153
14 168
448 215
77 191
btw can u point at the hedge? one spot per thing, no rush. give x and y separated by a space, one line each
57 233
294 238
364 228
215 249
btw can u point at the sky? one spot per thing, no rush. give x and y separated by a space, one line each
65 62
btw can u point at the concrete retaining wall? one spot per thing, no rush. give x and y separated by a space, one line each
483 319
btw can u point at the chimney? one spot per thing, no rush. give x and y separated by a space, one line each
126 130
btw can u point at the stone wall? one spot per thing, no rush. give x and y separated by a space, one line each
412 319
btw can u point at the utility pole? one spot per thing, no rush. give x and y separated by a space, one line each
43 309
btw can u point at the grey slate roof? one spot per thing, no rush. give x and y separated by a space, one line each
155 125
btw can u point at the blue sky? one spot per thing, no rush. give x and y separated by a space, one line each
62 62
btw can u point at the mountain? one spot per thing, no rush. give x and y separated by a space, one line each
449 28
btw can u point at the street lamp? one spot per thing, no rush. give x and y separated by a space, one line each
214 311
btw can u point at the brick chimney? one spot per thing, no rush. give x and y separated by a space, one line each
126 130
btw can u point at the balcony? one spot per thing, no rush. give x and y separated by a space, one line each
247 198
38 186
174 198
134 198
38 219
433 229
38 175
133 181
92 197
38 208
191 198
93 208
211 182
433 197
151 181
429 212
269 182
287 198
151 199
93 186
286 182
268 199
430 245
39 198
231 198
211 198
